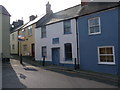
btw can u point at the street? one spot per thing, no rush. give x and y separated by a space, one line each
16 75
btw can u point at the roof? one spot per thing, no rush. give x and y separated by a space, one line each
4 11
16 29
34 21
60 16
96 7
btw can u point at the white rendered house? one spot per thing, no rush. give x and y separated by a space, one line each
56 39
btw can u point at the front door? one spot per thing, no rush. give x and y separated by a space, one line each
56 56
33 50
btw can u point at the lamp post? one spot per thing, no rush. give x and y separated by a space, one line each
20 39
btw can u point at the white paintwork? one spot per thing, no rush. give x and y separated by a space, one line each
4 35
15 42
53 31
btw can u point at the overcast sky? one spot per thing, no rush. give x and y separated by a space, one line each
25 8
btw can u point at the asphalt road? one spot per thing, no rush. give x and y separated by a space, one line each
15 75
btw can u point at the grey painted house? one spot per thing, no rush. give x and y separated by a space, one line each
4 33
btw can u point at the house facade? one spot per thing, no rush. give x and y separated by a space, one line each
55 38
14 44
98 27
27 47
4 33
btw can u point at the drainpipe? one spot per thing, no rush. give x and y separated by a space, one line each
77 40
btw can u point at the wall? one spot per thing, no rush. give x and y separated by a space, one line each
89 43
53 31
6 36
0 34
15 42
29 40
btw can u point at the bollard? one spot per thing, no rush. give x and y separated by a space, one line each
78 66
20 58
75 64
43 60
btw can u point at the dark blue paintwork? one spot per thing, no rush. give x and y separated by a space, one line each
89 43
56 56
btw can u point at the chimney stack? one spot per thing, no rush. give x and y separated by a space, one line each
48 8
84 2
32 17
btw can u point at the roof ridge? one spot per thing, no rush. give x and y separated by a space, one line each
67 9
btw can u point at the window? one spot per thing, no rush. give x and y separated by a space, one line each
94 26
29 30
68 51
12 36
55 41
44 51
106 55
67 27
13 47
23 32
25 48
43 32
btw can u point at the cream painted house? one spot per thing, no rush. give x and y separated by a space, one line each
4 33
27 47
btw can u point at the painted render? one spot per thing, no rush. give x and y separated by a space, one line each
55 30
4 33
89 43
14 41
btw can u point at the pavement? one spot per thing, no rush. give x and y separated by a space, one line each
100 77
27 75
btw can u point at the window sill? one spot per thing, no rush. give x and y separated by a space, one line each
67 33
106 63
94 33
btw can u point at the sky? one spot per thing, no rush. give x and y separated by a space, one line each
25 8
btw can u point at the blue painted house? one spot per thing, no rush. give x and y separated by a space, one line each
99 29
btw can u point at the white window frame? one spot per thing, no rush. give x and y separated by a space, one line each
64 28
43 32
30 31
90 26
110 63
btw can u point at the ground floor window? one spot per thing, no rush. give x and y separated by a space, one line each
68 51
106 55
25 48
44 51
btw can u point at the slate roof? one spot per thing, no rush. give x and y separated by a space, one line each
4 11
96 7
33 21
59 16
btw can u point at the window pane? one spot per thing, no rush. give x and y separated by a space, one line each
43 32
109 58
44 51
96 21
91 29
96 29
67 27
109 50
102 58
68 51
102 50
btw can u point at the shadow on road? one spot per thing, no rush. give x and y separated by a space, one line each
9 77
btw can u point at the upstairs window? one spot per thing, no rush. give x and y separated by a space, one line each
94 26
23 32
68 51
106 55
29 30
67 27
43 32
12 36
